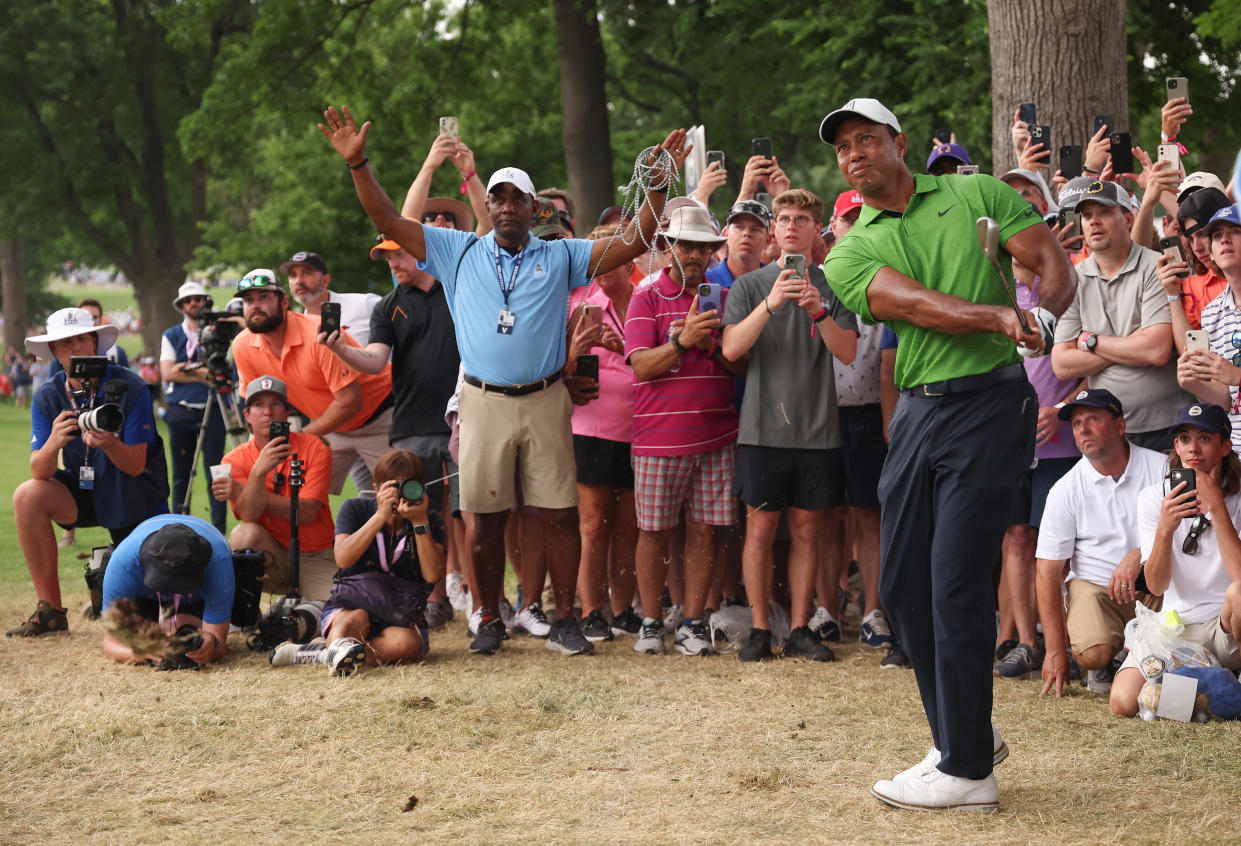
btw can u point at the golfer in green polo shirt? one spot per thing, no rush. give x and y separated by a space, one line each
961 435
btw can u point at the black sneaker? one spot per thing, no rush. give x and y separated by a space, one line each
896 659
566 637
44 620
1021 662
757 646
626 623
804 643
595 628
1001 651
490 636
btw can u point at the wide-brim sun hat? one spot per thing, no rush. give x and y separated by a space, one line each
67 323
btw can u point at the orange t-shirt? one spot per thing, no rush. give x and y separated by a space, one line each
1197 291
311 371
319 533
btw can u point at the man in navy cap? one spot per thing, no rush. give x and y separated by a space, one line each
1089 539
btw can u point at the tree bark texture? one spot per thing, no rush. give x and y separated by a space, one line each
584 106
13 280
1066 56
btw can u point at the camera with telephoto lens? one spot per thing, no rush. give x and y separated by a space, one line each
412 490
288 618
215 335
106 417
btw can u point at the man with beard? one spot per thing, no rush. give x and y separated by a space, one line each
186 394
308 283
351 411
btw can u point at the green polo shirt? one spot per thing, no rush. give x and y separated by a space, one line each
934 242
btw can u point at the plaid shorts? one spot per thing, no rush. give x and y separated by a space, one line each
704 481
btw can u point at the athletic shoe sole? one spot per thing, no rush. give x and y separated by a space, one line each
557 646
980 807
684 651
352 661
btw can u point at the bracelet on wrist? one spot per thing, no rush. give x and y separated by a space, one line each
1174 298
359 165
768 307
818 318
676 345
465 181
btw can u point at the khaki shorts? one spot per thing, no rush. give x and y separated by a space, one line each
1210 635
369 443
1095 618
316 570
529 436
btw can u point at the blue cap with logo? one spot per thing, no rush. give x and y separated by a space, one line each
1228 214
1207 417
952 151
1094 398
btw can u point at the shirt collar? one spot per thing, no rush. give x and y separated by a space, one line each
665 285
1090 265
923 184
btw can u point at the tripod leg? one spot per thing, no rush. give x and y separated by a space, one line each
198 452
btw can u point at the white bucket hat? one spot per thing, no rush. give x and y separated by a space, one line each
691 223
189 289
67 323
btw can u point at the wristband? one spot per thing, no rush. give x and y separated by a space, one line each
654 190
1087 170
676 344
768 307
818 318
465 180
359 165
1173 298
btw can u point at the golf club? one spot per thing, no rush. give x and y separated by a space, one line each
989 240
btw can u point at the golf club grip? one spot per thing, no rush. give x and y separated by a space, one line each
1012 297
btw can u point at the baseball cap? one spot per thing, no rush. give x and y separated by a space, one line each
620 213
846 202
752 208
1198 179
261 279
1097 191
1200 205
1094 398
266 385
187 290
514 175
307 258
174 559
384 245
864 107
1228 214
1204 415
67 323
951 151
547 223
1034 179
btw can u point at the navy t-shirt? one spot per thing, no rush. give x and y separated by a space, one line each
353 515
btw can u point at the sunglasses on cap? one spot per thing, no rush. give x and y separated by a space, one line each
750 207
258 280
430 217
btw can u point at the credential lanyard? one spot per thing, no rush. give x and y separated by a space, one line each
506 290
396 553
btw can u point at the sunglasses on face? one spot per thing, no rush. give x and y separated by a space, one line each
430 217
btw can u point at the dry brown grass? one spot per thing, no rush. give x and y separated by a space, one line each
529 746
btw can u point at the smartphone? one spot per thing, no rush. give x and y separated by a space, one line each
762 147
1122 153
1196 339
1103 120
1183 474
588 366
1028 113
448 126
967 170
1171 153
329 318
278 429
1067 217
592 312
1040 133
764 198
709 298
1172 249
1178 86
1071 161
715 156
793 261
943 135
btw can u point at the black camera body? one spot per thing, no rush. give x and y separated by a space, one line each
288 618
215 335
107 417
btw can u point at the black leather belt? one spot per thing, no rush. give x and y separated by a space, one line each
513 390
965 384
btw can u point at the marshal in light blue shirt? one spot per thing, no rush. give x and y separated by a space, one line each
466 267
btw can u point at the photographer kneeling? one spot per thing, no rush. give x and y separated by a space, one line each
258 488
390 554
96 458
178 571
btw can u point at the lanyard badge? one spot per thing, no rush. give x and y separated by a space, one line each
507 318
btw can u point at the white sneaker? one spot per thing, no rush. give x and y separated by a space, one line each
933 790
476 620
532 621
999 751
651 638
289 653
692 640
345 655
672 621
507 613
458 592
824 625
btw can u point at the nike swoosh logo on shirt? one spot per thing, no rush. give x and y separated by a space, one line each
945 211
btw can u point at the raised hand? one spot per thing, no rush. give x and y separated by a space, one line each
676 146
345 135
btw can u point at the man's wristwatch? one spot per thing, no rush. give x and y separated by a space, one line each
1088 341
421 529
676 344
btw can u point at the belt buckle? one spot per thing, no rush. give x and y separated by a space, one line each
926 391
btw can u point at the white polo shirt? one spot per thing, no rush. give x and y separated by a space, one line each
1196 589
1092 519
355 314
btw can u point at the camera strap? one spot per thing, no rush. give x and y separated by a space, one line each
396 553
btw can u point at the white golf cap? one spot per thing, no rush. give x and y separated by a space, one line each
867 108
67 323
514 175
1199 179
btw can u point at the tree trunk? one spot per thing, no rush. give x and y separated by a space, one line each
154 296
13 280
1066 56
584 109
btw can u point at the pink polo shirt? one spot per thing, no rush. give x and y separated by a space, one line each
688 409
610 416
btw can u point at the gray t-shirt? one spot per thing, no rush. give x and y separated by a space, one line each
790 387
1119 307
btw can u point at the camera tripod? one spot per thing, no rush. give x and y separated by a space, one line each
220 396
